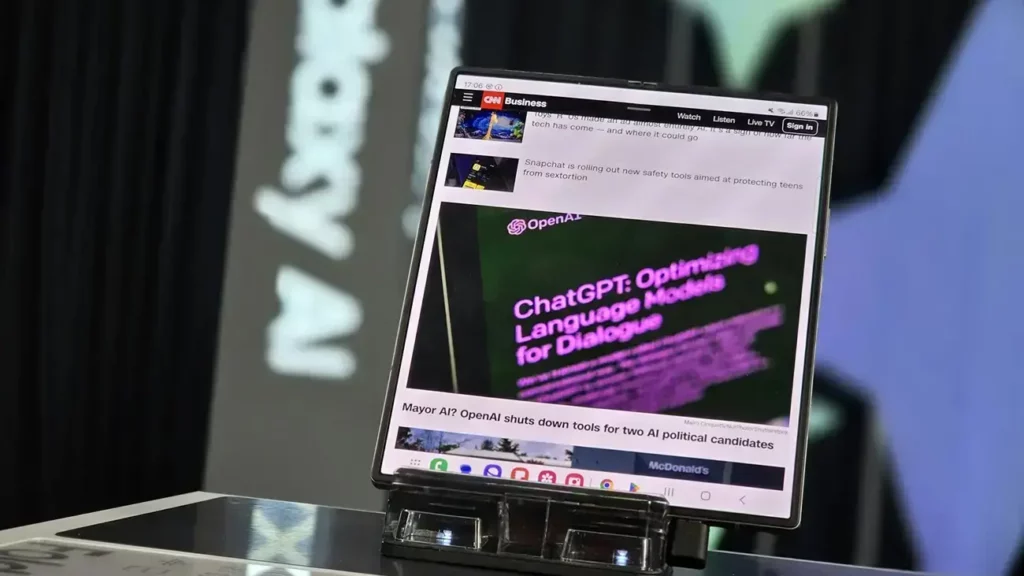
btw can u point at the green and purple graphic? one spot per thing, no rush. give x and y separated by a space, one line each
612 313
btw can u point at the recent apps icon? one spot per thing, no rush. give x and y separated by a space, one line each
439 464
520 474
492 470
547 476
574 479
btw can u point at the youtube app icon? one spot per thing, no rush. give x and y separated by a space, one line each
492 100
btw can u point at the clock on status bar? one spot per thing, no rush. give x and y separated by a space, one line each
480 85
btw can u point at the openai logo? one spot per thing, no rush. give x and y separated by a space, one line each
517 227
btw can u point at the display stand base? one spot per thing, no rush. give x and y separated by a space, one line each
688 544
537 528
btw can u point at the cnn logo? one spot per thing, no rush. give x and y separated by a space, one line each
492 100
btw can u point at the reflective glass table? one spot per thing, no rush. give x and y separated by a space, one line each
212 535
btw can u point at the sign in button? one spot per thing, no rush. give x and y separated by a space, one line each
801 126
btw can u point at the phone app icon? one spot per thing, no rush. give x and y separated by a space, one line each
574 480
547 476
607 484
520 474
439 464
492 470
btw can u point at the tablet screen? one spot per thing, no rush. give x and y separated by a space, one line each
615 287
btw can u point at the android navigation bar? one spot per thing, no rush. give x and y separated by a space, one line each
714 119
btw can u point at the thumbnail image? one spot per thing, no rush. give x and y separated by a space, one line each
477 446
618 314
504 125
481 172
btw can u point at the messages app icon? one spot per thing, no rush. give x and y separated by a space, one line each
439 464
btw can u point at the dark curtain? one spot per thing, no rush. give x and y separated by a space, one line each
879 59
117 127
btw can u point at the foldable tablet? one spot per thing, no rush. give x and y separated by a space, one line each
615 285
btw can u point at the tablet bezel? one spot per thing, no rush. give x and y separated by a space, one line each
384 481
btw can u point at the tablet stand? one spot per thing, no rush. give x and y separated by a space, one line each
534 527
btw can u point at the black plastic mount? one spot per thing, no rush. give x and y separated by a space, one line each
537 528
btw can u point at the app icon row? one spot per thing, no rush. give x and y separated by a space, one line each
520 473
